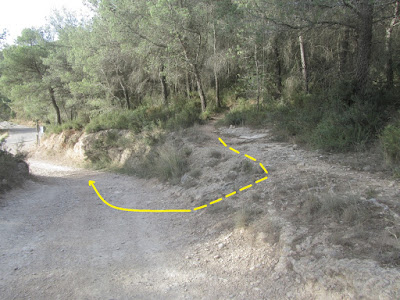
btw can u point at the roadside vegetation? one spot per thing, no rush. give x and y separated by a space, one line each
13 170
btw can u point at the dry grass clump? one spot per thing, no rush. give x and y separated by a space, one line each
348 208
244 216
215 154
167 162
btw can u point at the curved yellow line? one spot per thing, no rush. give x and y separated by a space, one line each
91 183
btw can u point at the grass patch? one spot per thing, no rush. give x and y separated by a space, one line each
244 216
342 209
166 162
196 173
390 140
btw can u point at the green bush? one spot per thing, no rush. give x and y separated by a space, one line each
390 139
13 170
184 116
347 128
176 116
69 125
98 155
249 116
117 119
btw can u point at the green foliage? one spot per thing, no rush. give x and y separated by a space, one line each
249 116
13 170
330 124
172 118
5 110
184 115
347 128
390 139
70 125
97 154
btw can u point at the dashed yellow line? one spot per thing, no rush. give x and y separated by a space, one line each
265 170
250 157
262 179
200 207
223 143
215 201
234 150
231 194
246 187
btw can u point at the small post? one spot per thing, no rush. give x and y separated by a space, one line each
37 133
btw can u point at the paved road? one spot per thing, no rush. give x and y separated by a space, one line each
20 137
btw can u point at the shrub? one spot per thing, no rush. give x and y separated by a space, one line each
176 116
167 163
348 209
390 139
183 116
13 170
347 128
241 116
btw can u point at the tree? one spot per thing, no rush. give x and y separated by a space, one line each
23 71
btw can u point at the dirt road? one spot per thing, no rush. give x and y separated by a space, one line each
58 241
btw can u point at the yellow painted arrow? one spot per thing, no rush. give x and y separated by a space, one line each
91 183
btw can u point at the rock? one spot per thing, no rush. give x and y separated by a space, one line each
367 168
232 175
261 236
221 245
186 178
295 147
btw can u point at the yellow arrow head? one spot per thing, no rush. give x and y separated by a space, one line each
91 182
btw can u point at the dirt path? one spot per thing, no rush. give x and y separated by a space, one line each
59 241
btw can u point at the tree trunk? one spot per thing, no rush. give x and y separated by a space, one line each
163 82
388 47
278 67
344 53
126 95
57 109
364 47
200 88
217 97
257 75
188 86
303 63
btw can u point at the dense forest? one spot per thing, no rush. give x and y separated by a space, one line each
325 73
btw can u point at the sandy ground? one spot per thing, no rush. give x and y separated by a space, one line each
59 241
